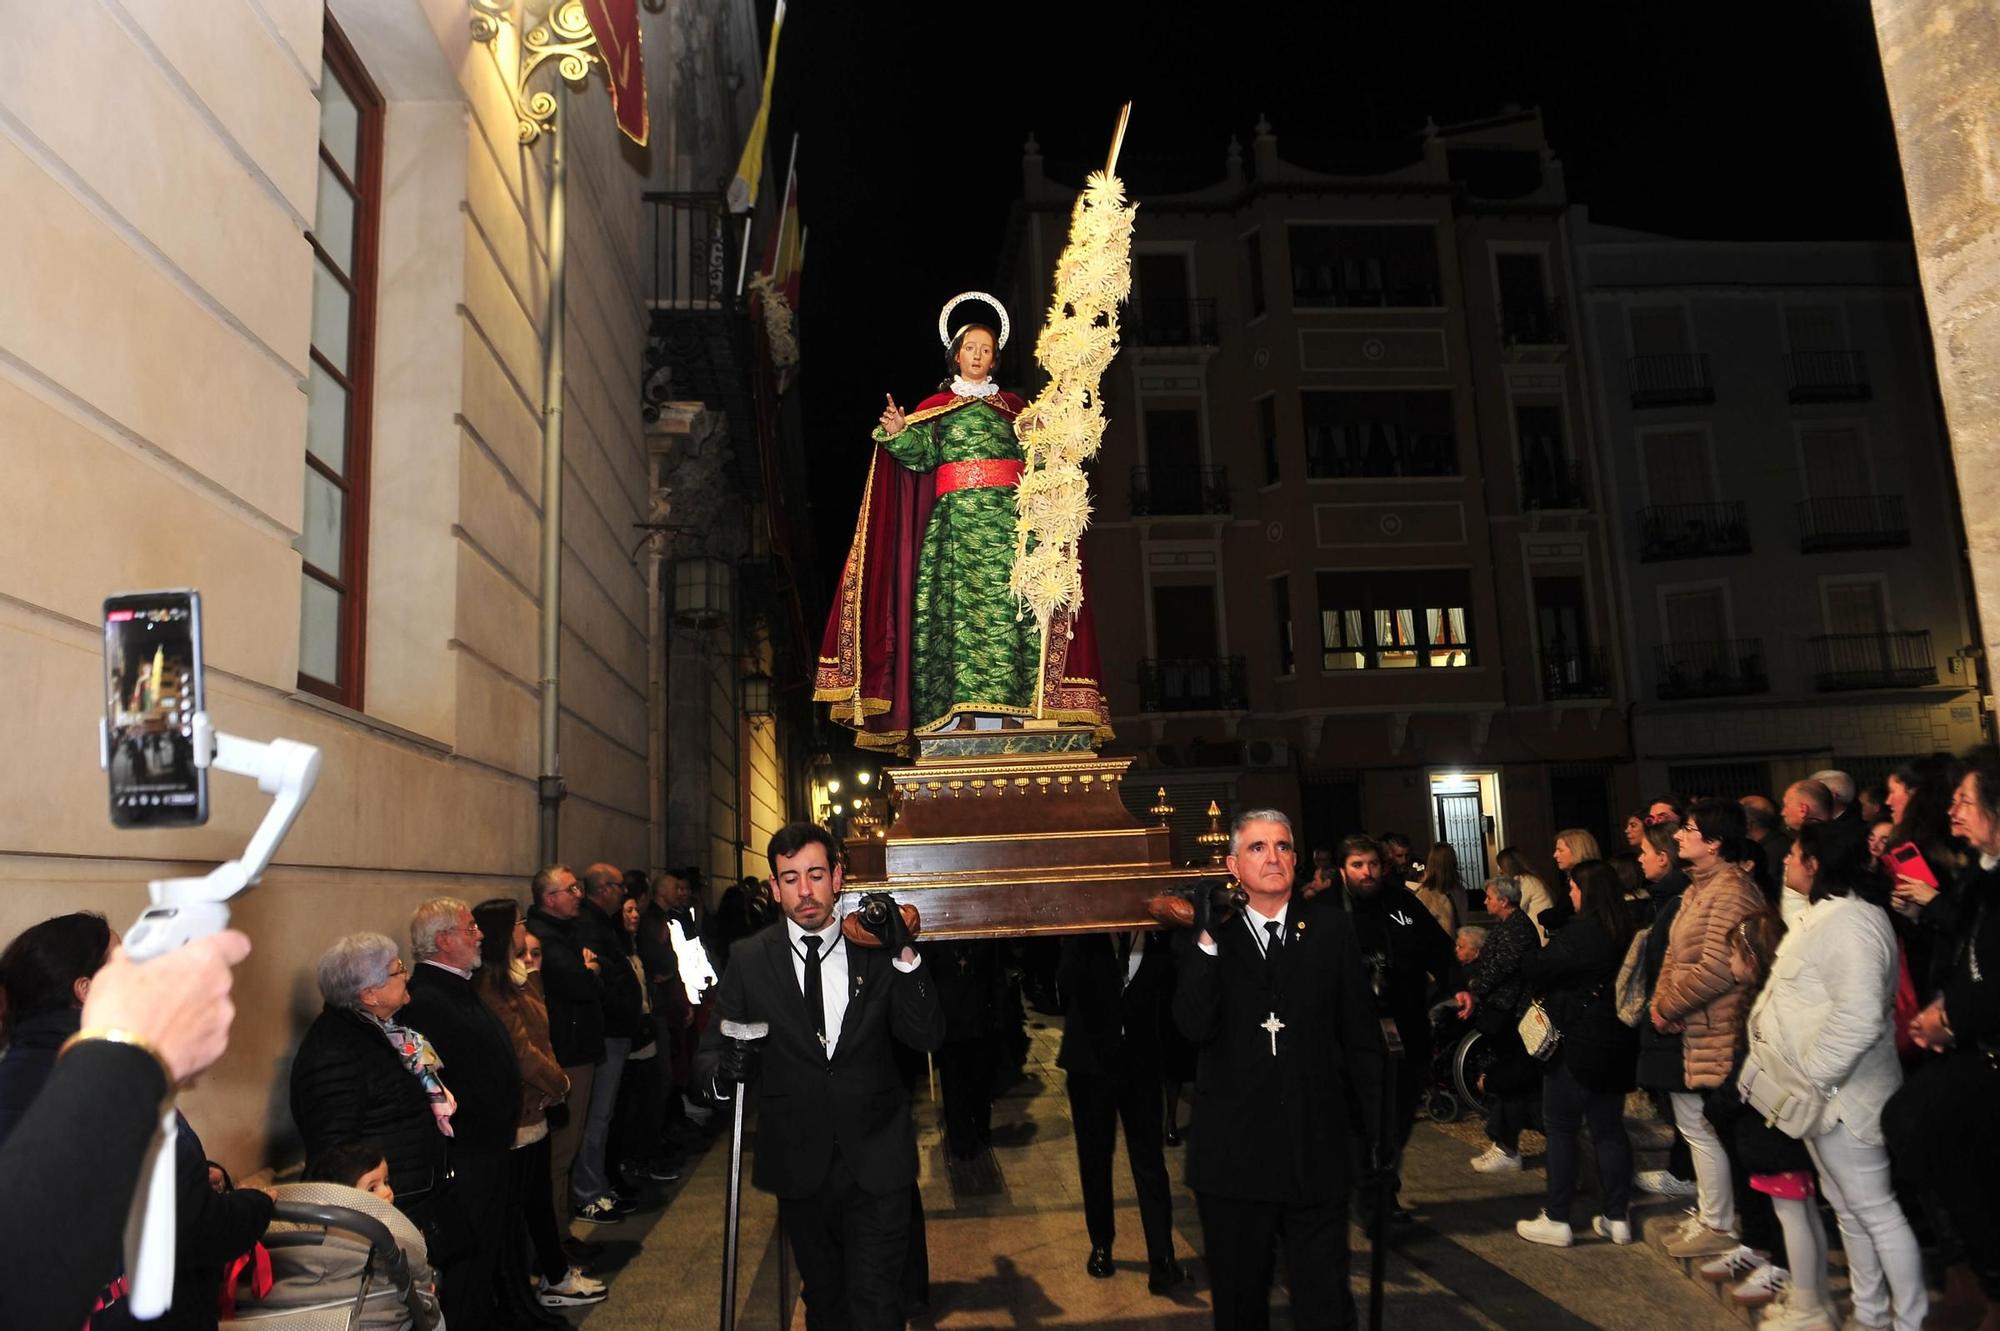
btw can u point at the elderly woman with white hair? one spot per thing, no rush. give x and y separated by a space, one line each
357 1076
1512 1079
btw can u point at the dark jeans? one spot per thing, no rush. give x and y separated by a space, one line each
852 1248
484 1183
538 1209
1567 1107
1509 1116
1097 1105
638 1128
1239 1245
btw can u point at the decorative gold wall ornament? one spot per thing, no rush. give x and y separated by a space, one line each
564 37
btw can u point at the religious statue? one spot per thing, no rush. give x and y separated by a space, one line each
927 634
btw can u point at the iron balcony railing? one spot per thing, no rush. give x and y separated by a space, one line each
697 336
1665 381
1843 661
1828 376
1173 491
1575 675
1553 485
1693 531
1193 684
1715 669
1852 522
1536 324
1168 323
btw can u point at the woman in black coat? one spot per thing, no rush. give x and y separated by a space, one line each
350 1084
1574 978
1660 1072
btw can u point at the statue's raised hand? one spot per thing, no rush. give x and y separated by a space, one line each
893 423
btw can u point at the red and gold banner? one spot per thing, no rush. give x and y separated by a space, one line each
615 24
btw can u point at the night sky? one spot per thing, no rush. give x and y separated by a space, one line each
1739 121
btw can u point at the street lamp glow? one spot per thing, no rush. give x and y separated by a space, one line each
840 808
865 777
833 785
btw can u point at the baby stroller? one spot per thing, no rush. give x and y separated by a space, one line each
1460 1053
331 1246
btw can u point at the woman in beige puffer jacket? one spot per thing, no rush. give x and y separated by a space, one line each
1704 999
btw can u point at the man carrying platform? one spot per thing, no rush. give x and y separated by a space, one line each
834 1137
1278 1004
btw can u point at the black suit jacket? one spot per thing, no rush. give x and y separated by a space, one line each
480 1066
576 999
1276 1128
1113 1029
807 1104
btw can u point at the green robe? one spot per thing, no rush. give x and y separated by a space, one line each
971 648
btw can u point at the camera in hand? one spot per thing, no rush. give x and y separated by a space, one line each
152 691
1176 909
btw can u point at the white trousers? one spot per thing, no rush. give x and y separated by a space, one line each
1715 1198
1884 1265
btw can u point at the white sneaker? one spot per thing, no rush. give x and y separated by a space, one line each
1702 1242
1787 1316
1496 1161
1662 1183
574 1290
1550 1233
1765 1285
1618 1231
1733 1265
1690 1225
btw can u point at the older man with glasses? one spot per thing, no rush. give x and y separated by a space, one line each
480 1067
576 1011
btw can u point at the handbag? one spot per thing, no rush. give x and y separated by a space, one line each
1539 1035
1631 988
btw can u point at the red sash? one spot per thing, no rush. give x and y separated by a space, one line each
978 474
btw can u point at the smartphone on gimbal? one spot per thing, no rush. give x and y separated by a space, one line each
152 691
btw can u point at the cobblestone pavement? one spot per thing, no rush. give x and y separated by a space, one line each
1007 1243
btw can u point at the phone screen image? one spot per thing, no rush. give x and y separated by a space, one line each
152 674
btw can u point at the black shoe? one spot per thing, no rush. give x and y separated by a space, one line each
1400 1214
1163 1276
1099 1264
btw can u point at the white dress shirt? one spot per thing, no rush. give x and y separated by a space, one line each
1254 920
833 972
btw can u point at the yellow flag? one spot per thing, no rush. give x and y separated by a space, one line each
750 170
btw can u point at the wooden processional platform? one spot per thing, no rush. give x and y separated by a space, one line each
1000 834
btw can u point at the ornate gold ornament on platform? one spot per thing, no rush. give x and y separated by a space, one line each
564 36
1215 841
1063 427
1161 809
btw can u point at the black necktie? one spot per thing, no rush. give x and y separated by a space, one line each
1275 940
815 996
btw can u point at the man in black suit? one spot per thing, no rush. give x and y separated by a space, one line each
1278 1004
834 1136
1119 989
485 1078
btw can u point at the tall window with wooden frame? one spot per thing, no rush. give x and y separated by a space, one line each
333 540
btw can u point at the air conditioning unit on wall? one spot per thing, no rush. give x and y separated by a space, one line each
1267 753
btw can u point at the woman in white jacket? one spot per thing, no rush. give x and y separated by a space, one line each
1827 1013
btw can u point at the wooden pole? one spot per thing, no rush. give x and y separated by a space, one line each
1118 139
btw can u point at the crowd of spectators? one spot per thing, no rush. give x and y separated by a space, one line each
523 1066
1806 987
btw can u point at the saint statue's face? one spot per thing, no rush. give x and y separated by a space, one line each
976 353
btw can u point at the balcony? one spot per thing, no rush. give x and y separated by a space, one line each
1843 661
1724 668
1171 325
698 336
1193 684
1692 531
1670 381
1542 324
1570 675
1852 522
1828 376
1179 491
1553 486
